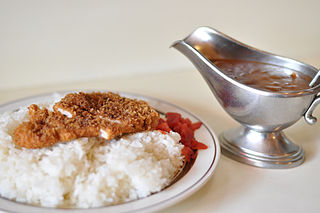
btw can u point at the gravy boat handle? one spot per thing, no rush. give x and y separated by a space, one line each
309 118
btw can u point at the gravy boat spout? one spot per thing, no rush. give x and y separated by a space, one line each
262 114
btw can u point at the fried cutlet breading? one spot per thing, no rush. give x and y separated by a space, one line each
105 115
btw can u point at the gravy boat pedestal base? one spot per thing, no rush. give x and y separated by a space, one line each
262 149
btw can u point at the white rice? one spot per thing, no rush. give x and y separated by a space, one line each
86 172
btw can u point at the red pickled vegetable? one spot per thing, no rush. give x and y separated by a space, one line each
161 121
163 132
188 122
186 133
173 119
188 153
164 127
186 129
196 125
198 145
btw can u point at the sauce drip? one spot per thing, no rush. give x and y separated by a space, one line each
263 76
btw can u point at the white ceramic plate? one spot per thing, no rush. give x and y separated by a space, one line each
191 181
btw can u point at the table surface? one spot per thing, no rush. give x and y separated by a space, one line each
234 186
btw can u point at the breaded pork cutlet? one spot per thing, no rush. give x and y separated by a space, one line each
105 115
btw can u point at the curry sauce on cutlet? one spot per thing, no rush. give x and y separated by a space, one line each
106 115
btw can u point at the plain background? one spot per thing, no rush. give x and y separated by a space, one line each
49 42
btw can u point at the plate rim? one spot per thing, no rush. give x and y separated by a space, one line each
188 191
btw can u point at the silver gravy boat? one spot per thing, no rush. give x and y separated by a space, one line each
259 140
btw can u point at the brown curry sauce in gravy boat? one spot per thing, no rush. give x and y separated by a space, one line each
264 76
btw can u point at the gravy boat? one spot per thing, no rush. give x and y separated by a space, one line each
259 141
